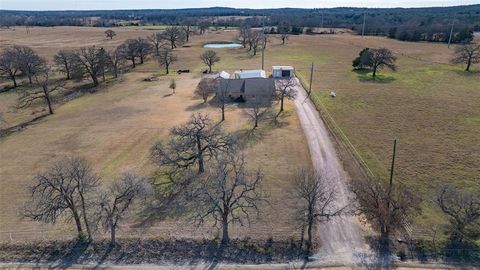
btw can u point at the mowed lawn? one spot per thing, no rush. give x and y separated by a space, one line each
114 129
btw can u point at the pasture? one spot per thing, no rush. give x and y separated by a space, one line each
429 105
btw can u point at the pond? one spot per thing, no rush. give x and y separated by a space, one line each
222 45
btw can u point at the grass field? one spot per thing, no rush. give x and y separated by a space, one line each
430 106
115 127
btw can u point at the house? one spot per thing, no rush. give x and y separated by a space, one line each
249 74
261 89
282 71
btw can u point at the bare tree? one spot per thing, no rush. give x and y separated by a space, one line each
467 54
210 58
9 66
174 36
257 110
92 61
115 60
255 40
222 96
143 49
244 33
129 50
227 193
42 79
29 62
285 88
114 203
386 210
194 143
203 26
166 58
206 88
381 58
63 190
157 41
186 31
462 208
284 30
316 201
67 61
110 33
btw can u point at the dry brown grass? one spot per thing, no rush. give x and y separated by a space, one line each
115 127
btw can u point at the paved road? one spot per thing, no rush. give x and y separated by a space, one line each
342 237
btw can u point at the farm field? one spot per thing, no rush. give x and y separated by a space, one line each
429 105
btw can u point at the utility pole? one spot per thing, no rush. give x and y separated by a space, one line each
311 80
363 26
451 30
392 167
263 59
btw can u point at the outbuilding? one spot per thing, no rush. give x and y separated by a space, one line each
249 74
282 71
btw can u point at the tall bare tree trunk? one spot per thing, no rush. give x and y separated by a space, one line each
201 168
225 237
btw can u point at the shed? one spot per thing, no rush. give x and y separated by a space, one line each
282 71
222 75
249 74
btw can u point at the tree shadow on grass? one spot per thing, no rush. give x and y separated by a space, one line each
471 73
365 75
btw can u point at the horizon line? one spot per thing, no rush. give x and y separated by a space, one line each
237 8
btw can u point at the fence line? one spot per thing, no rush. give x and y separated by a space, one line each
323 110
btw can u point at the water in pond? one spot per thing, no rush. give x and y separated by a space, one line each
222 45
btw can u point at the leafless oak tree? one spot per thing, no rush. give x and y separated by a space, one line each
285 88
386 210
255 40
9 66
143 49
174 36
467 54
194 143
227 193
157 41
316 201
166 58
115 61
47 86
67 61
210 58
244 33
92 61
462 208
29 62
114 203
64 189
257 110
380 58
129 50
222 97
205 88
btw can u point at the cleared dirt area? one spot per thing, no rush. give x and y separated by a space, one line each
115 127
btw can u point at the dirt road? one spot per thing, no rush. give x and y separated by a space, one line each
341 238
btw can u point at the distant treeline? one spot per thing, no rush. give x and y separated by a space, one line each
412 24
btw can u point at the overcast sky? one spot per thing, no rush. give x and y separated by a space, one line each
170 4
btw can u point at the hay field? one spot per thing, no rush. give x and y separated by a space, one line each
115 127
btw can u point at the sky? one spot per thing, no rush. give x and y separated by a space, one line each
172 4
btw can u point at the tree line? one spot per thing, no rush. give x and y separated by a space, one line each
412 24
